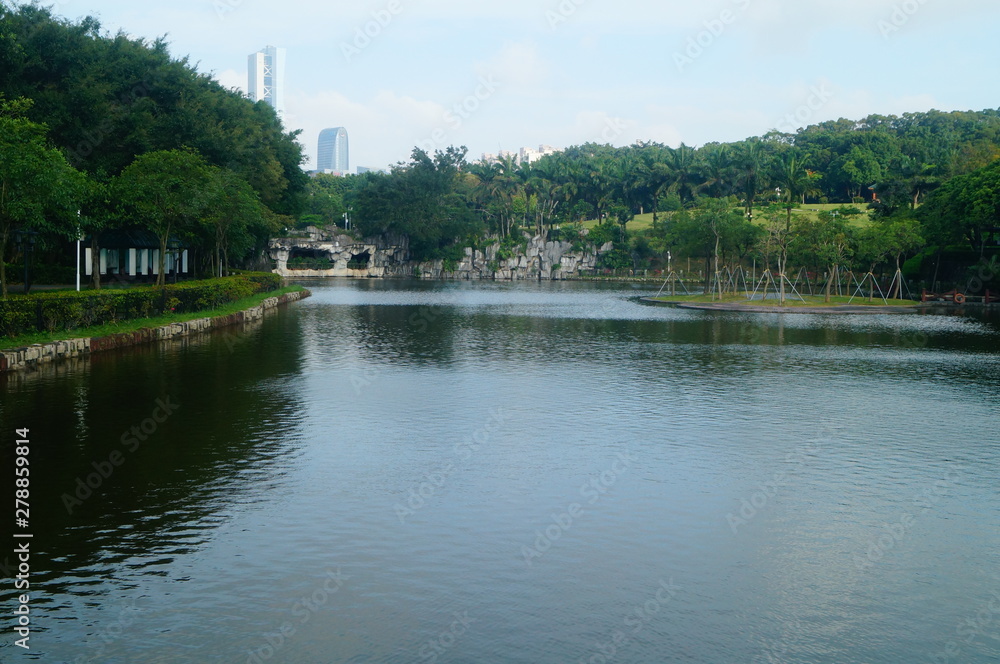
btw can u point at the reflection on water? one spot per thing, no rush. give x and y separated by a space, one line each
410 471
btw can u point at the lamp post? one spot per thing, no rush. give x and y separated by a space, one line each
26 241
79 236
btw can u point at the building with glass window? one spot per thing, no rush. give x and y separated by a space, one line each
266 77
332 152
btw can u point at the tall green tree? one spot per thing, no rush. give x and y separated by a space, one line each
39 190
232 209
166 192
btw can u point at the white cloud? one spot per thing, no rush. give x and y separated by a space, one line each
230 78
517 67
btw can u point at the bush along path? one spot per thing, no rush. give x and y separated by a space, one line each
66 341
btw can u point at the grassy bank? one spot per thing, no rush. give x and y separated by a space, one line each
140 323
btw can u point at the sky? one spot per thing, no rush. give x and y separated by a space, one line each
519 73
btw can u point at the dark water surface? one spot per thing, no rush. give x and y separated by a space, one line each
418 472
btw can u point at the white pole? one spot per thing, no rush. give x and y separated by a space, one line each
78 238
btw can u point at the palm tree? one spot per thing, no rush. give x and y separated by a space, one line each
684 169
655 175
750 163
793 182
717 168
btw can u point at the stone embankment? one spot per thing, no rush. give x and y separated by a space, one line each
34 355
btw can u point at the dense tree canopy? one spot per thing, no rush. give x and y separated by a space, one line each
86 107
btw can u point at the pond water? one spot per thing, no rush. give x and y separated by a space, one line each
396 471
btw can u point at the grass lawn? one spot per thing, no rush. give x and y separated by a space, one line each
139 323
645 221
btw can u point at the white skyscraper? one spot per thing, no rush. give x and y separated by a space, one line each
266 77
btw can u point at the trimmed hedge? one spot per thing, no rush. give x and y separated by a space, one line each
68 310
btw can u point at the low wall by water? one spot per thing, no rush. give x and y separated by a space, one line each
36 354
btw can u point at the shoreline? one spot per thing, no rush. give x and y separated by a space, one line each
853 309
29 357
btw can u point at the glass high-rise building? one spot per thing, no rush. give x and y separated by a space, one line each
266 77
332 152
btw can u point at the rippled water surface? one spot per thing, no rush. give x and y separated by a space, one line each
452 472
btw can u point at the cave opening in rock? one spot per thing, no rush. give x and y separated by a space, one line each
360 261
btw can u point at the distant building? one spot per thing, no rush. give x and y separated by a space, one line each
364 169
266 77
332 153
522 156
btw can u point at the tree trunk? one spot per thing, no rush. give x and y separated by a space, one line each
3 264
781 277
95 262
937 266
829 280
161 278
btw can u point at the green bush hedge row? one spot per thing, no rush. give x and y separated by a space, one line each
67 310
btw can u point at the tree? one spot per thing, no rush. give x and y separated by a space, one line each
39 190
324 203
825 241
901 236
684 170
721 221
97 215
966 208
165 191
232 209
107 98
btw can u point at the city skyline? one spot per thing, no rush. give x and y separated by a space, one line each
566 72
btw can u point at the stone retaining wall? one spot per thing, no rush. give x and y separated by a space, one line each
31 356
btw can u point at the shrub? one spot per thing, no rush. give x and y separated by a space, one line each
68 310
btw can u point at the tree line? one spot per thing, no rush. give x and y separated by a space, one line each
103 132
898 180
